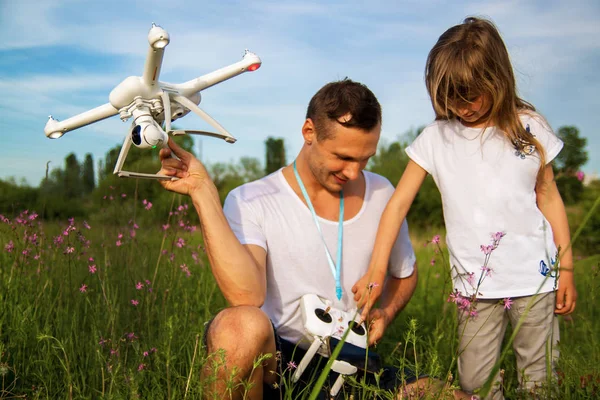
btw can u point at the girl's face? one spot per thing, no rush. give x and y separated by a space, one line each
474 114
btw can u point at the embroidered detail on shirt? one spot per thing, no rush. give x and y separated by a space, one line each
547 271
522 148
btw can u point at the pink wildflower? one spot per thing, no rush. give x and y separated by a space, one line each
132 233
123 195
180 243
185 269
165 227
119 235
432 262
153 350
471 278
487 249
9 247
86 225
139 285
580 176
473 313
507 303
146 354
454 297
83 288
292 365
69 250
147 204
134 302
497 236
118 243
464 303
92 269
486 270
435 239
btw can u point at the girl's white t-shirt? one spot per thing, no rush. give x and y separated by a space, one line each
269 214
487 186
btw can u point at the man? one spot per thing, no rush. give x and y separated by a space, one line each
266 249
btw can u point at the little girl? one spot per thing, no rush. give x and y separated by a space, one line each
489 153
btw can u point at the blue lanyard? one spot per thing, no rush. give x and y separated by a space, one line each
336 269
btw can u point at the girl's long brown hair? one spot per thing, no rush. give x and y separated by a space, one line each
470 60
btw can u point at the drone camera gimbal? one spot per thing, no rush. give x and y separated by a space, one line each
152 103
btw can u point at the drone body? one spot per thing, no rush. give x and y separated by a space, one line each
152 103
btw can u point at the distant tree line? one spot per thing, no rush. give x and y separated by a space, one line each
74 191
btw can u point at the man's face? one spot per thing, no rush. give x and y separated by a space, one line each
343 155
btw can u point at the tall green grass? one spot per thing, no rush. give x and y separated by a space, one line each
104 309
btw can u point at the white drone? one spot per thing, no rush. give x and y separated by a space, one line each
152 103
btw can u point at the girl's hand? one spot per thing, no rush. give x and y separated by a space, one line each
566 295
367 290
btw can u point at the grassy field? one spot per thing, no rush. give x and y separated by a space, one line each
94 309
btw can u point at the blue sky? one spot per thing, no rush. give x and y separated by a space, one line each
62 57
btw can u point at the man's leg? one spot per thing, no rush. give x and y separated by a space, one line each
480 342
536 341
243 333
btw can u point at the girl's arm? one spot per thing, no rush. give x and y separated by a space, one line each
551 204
368 288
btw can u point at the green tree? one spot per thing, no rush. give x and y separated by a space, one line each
87 174
72 178
229 176
390 161
275 154
573 155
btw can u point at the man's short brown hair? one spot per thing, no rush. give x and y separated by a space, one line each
344 98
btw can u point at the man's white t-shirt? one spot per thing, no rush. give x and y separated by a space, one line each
269 214
488 186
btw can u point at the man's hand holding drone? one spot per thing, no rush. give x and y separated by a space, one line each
191 173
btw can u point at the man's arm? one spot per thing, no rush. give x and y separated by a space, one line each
240 271
394 297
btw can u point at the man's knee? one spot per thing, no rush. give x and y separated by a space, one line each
243 329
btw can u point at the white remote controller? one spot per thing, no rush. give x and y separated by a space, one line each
321 321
